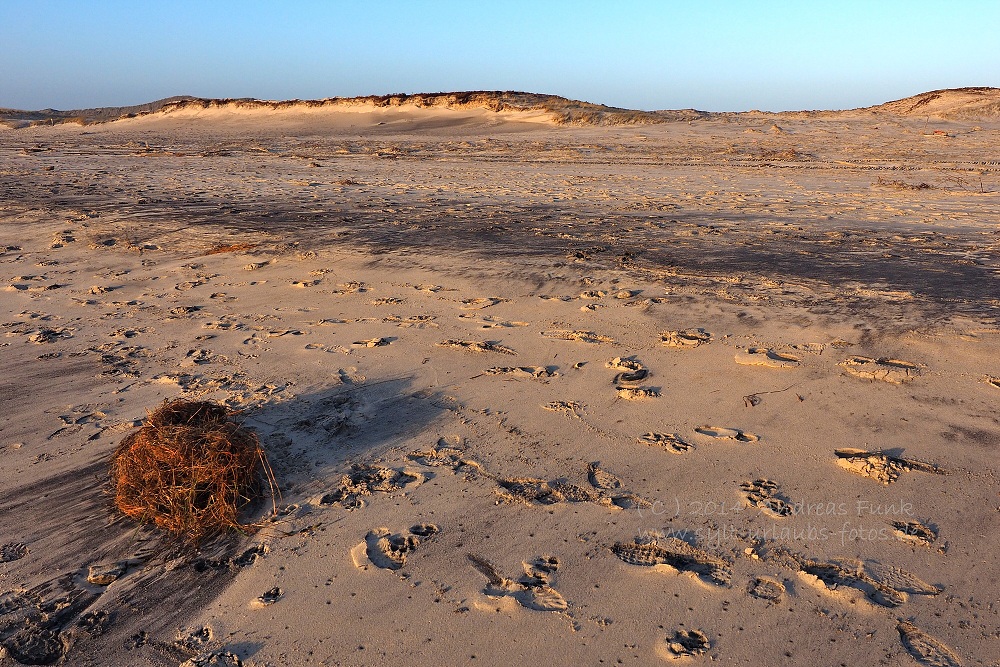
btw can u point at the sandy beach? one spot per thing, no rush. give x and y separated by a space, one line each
720 389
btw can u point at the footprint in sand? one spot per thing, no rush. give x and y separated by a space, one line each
364 481
190 284
678 555
48 335
534 372
13 551
476 346
633 374
194 640
914 532
611 490
725 433
389 551
625 364
412 321
201 357
352 287
893 371
884 585
250 556
59 240
581 336
685 338
766 588
225 325
424 529
269 597
637 393
627 501
450 453
278 333
607 491
94 623
104 574
765 495
833 574
631 378
372 342
253 266
487 322
899 579
533 590
881 467
602 479
34 645
530 491
480 303
763 356
129 333
670 442
925 649
688 643
571 408
37 625
350 376
219 658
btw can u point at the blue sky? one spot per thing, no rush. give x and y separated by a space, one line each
715 55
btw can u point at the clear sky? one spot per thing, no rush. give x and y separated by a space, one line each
714 55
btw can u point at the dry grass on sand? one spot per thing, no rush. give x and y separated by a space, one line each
189 470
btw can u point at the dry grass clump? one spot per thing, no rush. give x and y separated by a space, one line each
230 247
781 154
900 185
189 470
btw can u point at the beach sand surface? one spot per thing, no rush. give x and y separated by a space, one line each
719 391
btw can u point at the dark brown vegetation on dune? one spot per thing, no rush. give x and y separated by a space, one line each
190 470
969 103
954 103
230 247
17 118
563 110
897 184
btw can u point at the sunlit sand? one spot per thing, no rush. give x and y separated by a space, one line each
540 383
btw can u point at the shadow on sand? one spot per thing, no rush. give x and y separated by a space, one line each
56 529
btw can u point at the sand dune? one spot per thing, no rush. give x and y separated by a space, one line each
719 391
954 103
474 104
958 103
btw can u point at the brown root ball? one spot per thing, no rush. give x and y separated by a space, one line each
189 470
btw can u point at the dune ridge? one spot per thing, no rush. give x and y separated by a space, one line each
969 103
561 111
18 118
950 103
